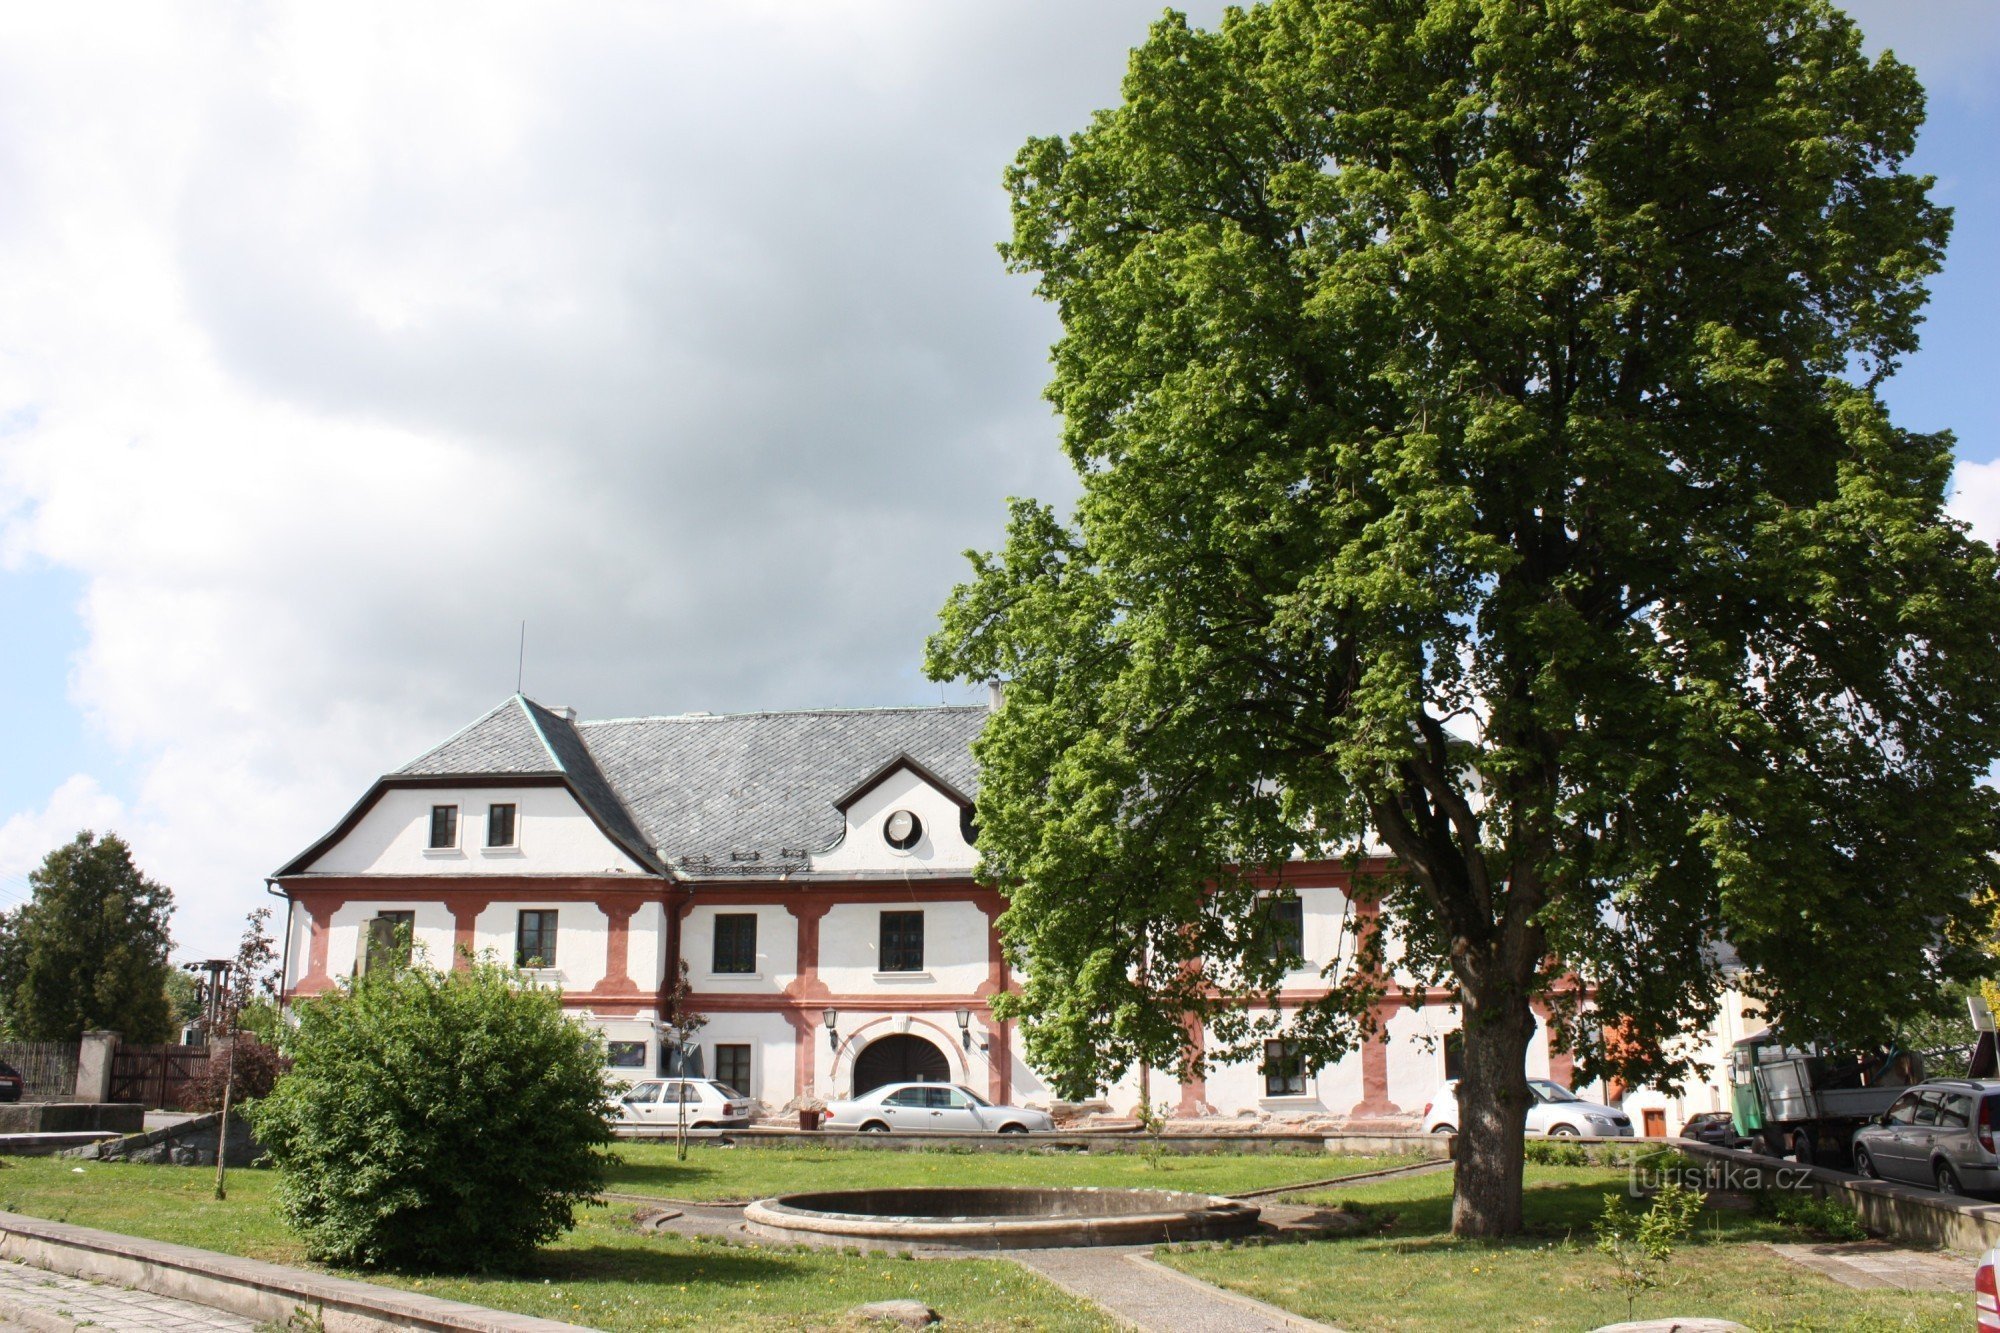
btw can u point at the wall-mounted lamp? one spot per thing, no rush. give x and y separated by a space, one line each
832 1020
965 1028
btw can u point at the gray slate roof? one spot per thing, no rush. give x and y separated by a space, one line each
728 794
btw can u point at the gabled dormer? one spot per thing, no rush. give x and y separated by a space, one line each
902 818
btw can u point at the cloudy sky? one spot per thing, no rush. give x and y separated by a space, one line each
335 341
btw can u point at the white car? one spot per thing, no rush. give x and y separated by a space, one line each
926 1108
656 1104
1556 1110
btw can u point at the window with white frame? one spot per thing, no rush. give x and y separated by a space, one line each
1284 927
732 1066
444 827
535 939
735 943
1284 1070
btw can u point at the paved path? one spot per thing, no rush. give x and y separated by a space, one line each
34 1298
1151 1297
1873 1264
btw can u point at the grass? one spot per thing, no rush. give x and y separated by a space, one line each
1408 1274
605 1274
713 1172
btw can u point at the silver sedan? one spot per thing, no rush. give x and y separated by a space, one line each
931 1108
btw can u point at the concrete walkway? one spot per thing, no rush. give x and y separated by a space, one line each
34 1298
1873 1265
1153 1298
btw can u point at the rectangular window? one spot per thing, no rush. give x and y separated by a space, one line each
625 1054
1454 1054
500 826
736 943
1284 1070
902 941
390 939
444 826
732 1066
1284 928
535 940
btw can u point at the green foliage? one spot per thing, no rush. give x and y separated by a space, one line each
1641 1244
1822 1219
1551 1153
183 998
436 1120
89 949
1475 406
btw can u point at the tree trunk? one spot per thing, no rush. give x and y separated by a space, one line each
1492 1109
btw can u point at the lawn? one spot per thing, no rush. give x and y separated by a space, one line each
714 1172
1409 1274
604 1274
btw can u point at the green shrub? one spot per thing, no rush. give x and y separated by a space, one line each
1551 1152
1822 1219
436 1120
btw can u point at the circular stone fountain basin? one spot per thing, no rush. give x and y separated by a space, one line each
998 1218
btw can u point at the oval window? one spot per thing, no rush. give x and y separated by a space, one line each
902 829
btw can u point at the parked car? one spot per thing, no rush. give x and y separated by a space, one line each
1714 1127
11 1083
656 1104
927 1108
1986 1293
1556 1110
1938 1134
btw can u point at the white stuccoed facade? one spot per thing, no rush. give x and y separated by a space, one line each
777 855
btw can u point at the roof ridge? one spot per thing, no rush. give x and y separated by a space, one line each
479 721
783 712
529 707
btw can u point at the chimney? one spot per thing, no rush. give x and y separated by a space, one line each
565 712
996 694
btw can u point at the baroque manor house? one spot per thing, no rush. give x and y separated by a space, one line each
813 872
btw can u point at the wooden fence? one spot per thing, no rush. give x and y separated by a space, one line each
157 1076
48 1068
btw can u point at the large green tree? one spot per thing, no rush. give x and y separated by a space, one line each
1476 409
89 949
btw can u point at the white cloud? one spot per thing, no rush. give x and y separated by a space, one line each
334 341
28 837
1975 499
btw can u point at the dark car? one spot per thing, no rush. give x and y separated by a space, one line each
11 1083
1713 1127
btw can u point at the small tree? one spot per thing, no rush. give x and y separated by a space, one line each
89 950
436 1120
683 1023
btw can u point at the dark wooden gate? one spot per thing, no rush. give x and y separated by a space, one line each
157 1076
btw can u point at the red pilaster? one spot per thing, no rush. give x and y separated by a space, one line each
618 913
808 913
1194 1091
319 914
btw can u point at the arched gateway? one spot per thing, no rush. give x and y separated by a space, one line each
899 1059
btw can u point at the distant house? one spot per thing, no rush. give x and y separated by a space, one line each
815 871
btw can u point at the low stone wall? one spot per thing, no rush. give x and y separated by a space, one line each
1901 1212
1311 1145
71 1117
189 1142
247 1287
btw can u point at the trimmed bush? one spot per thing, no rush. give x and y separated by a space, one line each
436 1121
